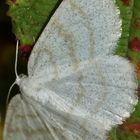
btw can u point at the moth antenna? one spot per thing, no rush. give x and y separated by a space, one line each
16 74
9 92
16 59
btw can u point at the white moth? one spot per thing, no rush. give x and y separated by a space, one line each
76 89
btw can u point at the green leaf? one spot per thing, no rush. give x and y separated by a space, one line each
129 46
29 18
121 134
126 12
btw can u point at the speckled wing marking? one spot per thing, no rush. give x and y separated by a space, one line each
82 106
23 122
76 88
103 90
28 121
78 31
31 121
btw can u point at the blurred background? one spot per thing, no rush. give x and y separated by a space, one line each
7 49
7 56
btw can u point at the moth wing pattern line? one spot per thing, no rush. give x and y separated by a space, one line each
78 31
76 89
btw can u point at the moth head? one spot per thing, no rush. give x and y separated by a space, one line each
22 82
20 78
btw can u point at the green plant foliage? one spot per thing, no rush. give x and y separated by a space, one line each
30 16
129 46
121 134
126 12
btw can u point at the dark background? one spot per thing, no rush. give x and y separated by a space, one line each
7 60
7 48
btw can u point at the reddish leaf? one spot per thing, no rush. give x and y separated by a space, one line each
25 51
126 2
134 44
134 127
137 23
13 1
